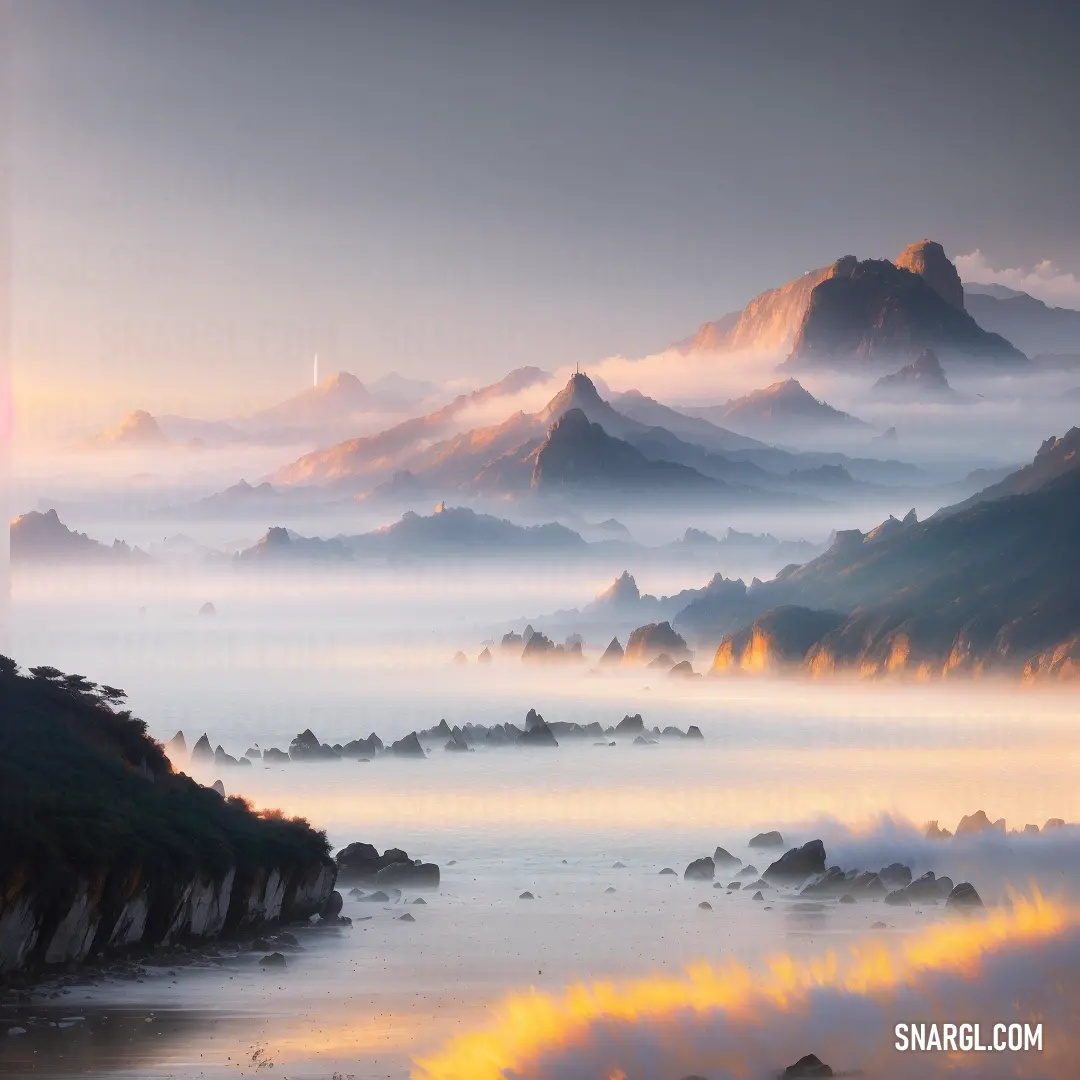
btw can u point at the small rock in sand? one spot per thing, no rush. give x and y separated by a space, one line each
668 870
420 900
877 926
749 870
274 960
610 889
847 898
758 896
378 897
526 896
705 905
618 866
406 918
734 884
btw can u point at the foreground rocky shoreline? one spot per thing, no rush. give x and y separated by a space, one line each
107 849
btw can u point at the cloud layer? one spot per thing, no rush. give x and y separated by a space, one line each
1044 280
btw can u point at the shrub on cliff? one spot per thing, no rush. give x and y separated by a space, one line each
84 789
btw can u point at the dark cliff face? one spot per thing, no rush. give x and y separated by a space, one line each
875 310
105 847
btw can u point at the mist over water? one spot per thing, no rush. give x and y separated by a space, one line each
863 766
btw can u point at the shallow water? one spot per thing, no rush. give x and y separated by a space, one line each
822 760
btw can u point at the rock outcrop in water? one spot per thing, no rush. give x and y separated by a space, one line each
361 863
107 848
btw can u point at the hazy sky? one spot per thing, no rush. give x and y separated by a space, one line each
204 193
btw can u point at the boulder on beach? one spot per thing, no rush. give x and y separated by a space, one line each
409 875
865 883
964 896
723 857
362 862
927 888
898 898
407 917
766 840
333 905
734 884
749 870
705 905
758 896
700 870
274 960
375 898
630 725
668 870
526 895
798 864
895 875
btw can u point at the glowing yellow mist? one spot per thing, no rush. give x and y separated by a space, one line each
527 1025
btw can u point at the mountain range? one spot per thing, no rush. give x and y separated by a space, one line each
600 446
981 587
41 537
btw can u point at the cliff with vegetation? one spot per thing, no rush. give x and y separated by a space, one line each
106 848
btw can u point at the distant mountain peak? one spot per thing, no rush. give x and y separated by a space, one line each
138 428
924 377
784 402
